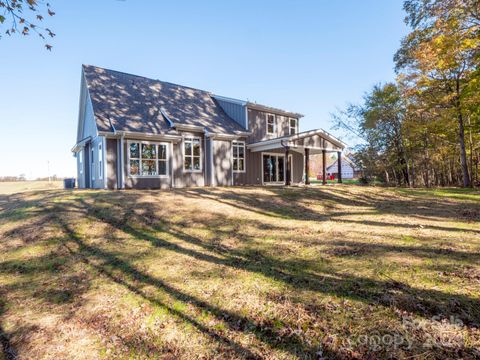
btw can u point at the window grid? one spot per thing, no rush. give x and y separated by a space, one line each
292 125
271 124
238 156
192 159
146 159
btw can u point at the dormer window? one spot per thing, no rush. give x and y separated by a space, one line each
292 126
271 124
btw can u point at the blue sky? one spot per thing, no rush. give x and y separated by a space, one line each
306 56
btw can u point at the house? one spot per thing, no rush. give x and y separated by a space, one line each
135 132
349 169
316 164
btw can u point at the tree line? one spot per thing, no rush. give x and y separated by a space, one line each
423 129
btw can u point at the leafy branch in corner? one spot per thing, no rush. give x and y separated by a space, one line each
24 16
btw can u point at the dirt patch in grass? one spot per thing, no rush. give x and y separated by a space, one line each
332 272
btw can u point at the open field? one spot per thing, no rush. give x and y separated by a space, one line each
12 187
275 273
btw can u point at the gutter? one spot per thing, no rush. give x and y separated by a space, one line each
139 135
303 135
80 144
220 136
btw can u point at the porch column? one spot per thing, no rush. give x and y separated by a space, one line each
287 164
324 166
307 166
339 163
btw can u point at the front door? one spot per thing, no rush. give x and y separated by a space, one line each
273 169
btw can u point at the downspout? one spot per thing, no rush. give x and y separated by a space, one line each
119 157
209 161
172 155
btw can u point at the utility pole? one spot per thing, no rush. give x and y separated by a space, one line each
48 170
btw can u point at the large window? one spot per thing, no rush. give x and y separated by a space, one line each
192 160
100 162
147 159
271 124
292 125
238 156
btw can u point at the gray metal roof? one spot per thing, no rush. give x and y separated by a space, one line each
134 103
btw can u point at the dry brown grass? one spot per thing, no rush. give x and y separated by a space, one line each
13 187
333 272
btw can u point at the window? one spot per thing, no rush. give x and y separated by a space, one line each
100 161
271 124
147 159
191 154
238 156
80 161
292 125
93 163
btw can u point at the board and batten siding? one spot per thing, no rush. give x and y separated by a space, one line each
112 163
80 168
96 182
222 163
184 178
87 127
234 110
257 124
316 141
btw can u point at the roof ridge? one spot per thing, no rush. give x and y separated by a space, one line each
147 78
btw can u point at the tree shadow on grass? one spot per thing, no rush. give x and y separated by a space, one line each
294 273
7 349
125 274
286 203
424 302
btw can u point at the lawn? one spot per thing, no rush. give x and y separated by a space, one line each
12 187
273 273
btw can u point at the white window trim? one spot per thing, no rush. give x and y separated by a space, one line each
274 123
80 161
93 168
140 159
239 143
290 127
100 160
190 139
273 183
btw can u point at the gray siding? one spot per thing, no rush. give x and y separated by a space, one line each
112 165
253 175
208 161
184 178
317 141
87 127
257 123
298 167
81 169
222 163
234 110
97 181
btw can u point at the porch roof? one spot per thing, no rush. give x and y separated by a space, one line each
315 140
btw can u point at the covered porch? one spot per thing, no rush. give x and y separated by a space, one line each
277 155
